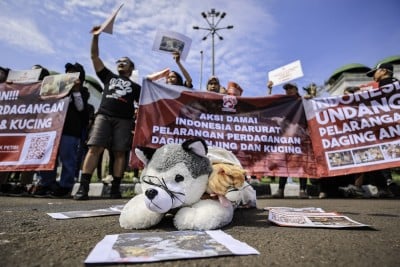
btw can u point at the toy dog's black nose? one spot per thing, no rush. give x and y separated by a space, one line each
151 193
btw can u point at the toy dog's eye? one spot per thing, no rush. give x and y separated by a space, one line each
179 178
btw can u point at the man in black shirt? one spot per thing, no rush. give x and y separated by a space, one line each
383 75
114 120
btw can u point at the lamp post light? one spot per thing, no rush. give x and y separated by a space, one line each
213 29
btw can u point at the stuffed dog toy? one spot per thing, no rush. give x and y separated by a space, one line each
174 178
227 181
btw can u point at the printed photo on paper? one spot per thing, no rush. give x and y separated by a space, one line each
59 85
160 246
169 41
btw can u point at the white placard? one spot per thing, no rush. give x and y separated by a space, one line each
24 76
169 41
108 25
286 73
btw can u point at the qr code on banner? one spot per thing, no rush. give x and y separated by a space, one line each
37 148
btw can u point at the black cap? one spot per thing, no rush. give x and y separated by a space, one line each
76 67
5 70
289 85
386 66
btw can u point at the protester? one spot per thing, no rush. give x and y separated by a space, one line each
21 179
383 75
329 186
234 89
83 148
382 179
213 84
114 121
3 175
311 91
3 74
175 78
43 73
291 90
76 121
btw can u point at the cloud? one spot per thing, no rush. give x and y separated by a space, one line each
24 34
238 57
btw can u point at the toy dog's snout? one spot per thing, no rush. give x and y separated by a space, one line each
151 193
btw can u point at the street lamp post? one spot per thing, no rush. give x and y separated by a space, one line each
213 29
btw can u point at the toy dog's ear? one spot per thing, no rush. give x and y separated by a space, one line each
197 146
144 154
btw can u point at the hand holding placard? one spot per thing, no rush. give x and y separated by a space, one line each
108 25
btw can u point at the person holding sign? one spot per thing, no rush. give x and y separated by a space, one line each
383 75
75 121
114 122
175 78
290 90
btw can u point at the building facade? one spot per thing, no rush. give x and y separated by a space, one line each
355 75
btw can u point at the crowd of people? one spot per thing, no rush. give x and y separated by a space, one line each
354 185
86 135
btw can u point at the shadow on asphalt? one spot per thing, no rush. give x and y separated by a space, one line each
242 217
384 215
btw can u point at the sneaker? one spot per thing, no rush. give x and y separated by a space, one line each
83 192
115 192
278 194
61 192
352 191
394 189
18 190
322 195
41 191
385 193
303 194
345 190
5 188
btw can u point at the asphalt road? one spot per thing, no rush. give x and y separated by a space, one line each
29 237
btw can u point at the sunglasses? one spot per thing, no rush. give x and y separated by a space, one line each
122 62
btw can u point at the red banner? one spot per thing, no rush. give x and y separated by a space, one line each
30 128
267 134
356 133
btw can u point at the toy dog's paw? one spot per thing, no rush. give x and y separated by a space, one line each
205 215
135 215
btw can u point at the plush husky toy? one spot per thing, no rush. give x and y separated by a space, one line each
175 177
227 181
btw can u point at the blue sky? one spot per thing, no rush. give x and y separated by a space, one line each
323 34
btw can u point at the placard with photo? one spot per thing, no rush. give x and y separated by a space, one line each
169 41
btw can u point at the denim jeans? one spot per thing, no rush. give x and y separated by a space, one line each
67 155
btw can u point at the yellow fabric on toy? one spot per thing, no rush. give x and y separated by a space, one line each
225 176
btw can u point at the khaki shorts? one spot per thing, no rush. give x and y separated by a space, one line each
111 132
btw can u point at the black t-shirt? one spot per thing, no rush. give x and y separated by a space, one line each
387 81
118 96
